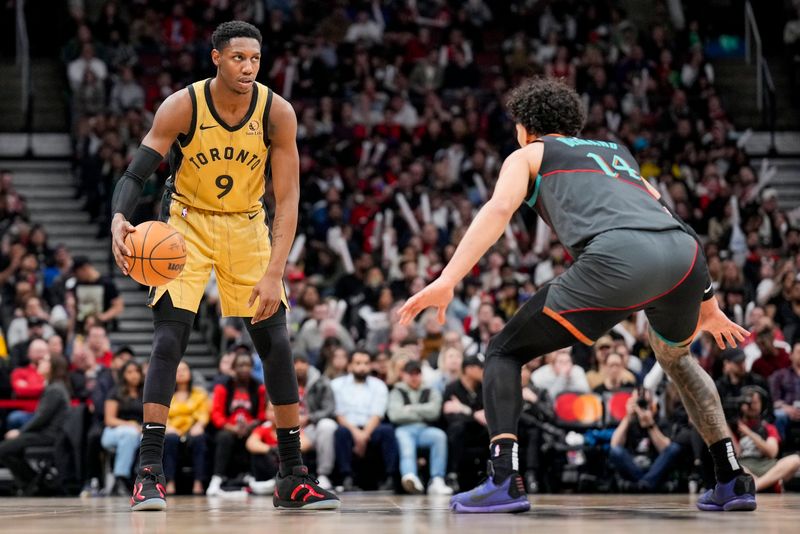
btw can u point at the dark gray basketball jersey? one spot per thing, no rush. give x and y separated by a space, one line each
585 188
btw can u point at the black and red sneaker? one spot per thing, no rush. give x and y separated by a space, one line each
149 491
301 490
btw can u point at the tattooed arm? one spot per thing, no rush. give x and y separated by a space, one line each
282 130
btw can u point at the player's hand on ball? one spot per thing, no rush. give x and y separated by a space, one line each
438 294
268 290
120 228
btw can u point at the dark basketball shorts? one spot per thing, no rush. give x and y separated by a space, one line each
623 271
618 273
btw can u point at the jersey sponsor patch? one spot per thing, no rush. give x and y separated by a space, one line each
254 127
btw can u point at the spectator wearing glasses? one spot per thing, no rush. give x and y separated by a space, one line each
596 376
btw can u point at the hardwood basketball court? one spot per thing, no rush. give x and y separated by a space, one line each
371 513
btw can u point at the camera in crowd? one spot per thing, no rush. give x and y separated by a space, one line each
641 398
734 407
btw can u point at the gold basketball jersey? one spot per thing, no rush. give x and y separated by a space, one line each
220 167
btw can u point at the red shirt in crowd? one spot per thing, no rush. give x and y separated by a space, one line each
748 445
766 365
241 406
27 383
266 433
105 359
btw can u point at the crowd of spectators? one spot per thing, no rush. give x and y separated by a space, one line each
401 133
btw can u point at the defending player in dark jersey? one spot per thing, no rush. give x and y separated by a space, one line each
632 253
224 136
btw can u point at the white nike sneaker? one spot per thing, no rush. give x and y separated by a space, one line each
412 484
324 482
262 487
214 487
438 487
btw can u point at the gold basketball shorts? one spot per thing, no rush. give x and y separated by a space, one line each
235 245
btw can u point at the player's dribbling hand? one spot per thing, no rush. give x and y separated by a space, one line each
120 228
437 294
268 290
716 323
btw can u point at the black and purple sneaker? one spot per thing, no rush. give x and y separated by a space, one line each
489 497
737 495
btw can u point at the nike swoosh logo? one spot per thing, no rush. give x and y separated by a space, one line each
478 497
204 127
253 216
151 427
295 431
708 289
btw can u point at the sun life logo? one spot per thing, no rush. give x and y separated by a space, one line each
254 127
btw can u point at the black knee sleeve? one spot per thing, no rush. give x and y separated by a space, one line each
271 341
529 333
171 336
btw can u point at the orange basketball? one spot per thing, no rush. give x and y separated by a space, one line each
158 253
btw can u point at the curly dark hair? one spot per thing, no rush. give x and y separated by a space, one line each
232 29
547 106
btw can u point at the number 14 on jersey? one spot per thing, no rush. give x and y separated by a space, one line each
617 163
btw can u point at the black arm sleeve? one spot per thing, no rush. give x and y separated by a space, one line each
709 292
126 194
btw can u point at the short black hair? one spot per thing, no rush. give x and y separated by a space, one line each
547 106
232 29
364 352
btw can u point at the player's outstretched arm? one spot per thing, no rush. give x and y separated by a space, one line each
487 227
282 130
171 119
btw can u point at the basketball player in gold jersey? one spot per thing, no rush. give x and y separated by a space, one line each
223 136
